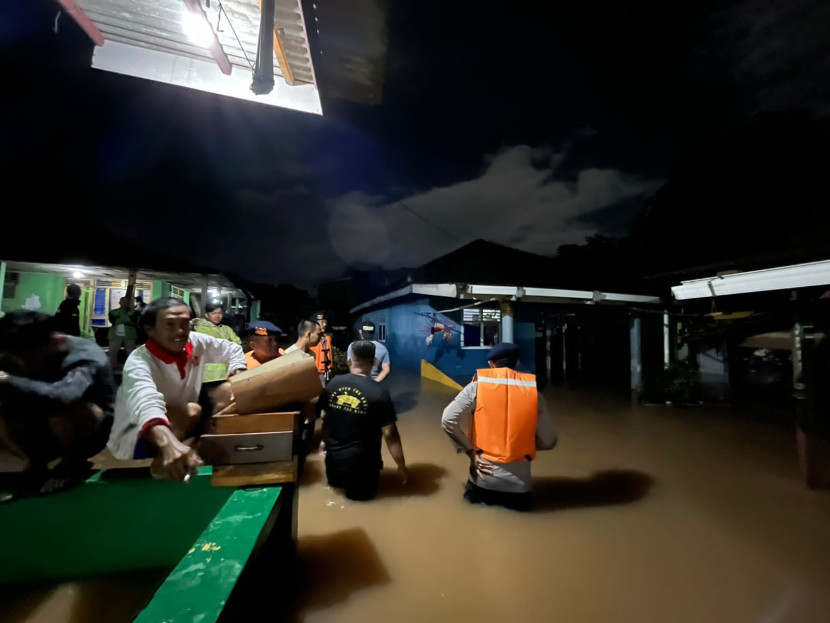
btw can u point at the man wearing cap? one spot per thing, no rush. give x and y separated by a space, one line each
381 367
322 351
263 343
499 400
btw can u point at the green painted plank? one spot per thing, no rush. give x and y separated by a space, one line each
116 521
199 587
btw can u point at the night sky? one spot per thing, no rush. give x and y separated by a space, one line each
528 127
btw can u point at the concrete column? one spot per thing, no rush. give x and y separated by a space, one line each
205 284
635 338
548 362
506 321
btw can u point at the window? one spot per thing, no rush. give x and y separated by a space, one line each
175 292
481 328
381 332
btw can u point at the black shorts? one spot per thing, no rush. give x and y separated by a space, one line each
514 501
358 477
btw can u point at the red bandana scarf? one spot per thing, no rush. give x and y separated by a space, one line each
180 359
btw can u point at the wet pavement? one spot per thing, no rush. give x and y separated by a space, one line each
642 514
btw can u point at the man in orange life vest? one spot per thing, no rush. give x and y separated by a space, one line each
322 351
499 421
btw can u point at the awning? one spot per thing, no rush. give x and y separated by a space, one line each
781 278
208 45
510 293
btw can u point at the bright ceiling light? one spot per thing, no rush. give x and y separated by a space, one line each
77 274
197 29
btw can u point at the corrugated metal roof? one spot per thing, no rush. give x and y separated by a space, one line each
159 26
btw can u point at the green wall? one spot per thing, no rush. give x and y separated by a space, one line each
48 288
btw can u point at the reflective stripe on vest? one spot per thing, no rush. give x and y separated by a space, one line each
503 427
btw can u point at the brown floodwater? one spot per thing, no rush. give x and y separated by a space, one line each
642 514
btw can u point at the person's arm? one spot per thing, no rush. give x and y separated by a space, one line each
51 397
146 409
224 351
456 418
385 367
113 316
231 335
546 437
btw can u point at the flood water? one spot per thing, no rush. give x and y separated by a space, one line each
642 514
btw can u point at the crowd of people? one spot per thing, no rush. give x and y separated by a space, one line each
59 404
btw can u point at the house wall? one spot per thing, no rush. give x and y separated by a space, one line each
408 327
41 292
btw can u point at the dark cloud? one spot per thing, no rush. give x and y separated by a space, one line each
779 52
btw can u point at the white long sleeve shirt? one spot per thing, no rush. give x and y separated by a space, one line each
149 385
508 477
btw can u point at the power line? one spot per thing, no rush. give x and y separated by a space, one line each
426 220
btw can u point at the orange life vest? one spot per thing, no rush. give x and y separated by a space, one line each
503 426
321 355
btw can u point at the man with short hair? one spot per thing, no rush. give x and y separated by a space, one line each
263 343
211 324
357 412
68 316
56 397
499 421
156 407
381 366
308 336
322 351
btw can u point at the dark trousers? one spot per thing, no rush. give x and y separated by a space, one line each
358 479
514 501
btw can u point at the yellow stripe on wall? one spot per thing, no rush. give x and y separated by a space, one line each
429 371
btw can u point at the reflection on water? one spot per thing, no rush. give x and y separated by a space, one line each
114 599
615 486
331 567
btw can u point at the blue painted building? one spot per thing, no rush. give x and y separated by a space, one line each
453 326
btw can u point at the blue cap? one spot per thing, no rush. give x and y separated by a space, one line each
263 327
505 350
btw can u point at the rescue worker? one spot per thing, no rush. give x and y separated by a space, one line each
358 413
322 351
215 373
263 343
499 400
156 407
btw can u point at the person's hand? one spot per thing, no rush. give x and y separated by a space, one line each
235 372
478 464
175 459
403 474
323 448
3 376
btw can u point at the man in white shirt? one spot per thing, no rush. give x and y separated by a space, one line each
156 407
308 335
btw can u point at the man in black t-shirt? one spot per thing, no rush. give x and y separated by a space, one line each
68 316
357 412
